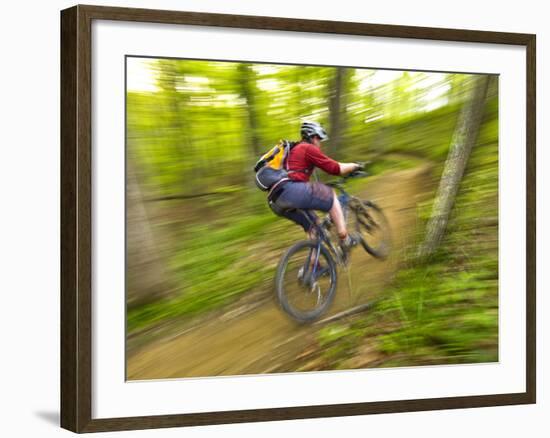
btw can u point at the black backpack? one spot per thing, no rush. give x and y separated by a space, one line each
272 166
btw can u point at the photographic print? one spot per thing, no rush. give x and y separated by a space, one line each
298 218
268 218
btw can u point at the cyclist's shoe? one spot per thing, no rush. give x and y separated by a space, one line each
346 244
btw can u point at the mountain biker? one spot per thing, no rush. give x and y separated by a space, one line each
297 192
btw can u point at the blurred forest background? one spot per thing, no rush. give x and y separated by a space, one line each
201 240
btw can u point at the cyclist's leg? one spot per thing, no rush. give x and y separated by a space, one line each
337 216
324 198
300 217
308 197
296 203
292 203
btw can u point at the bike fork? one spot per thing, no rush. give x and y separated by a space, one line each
310 275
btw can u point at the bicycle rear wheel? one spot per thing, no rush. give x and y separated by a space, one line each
306 281
373 226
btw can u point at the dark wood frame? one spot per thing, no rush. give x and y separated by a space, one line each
76 219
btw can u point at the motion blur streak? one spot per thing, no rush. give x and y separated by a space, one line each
202 244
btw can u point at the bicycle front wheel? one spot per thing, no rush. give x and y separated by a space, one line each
306 281
373 226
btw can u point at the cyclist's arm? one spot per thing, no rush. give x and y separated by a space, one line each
315 157
330 166
346 168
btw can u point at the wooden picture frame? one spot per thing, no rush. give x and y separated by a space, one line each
76 217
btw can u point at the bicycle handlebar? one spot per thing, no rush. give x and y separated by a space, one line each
343 179
357 174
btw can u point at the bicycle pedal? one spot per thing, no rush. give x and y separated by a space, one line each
323 272
349 242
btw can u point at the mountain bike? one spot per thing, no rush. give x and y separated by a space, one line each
307 273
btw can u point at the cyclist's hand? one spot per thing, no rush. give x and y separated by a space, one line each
359 169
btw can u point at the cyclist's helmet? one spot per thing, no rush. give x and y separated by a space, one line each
310 129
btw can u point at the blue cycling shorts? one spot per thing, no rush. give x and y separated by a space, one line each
303 196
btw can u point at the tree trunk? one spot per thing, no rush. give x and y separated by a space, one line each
147 278
177 127
246 85
464 138
337 104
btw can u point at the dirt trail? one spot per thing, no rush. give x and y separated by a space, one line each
264 339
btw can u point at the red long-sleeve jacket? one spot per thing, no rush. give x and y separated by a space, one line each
304 157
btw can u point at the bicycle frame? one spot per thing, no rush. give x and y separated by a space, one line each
322 237
319 258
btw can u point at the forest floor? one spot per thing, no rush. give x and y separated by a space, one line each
254 336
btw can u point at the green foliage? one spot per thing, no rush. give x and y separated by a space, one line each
215 264
446 314
198 133
444 310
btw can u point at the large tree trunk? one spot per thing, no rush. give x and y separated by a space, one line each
337 105
464 138
147 279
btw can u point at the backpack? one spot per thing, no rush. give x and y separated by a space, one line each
272 166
